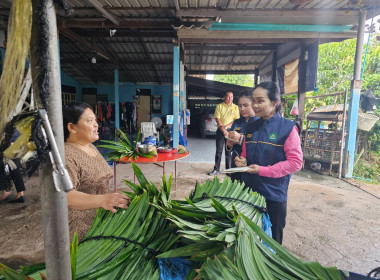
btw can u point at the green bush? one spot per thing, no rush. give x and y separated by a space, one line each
368 170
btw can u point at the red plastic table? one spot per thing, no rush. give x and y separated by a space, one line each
161 157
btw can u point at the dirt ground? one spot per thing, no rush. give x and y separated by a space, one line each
329 220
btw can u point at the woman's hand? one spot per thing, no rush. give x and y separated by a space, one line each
240 162
112 200
230 143
82 201
253 169
234 135
225 132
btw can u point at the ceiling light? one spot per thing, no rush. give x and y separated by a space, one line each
93 59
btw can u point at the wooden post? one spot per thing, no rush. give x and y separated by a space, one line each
116 92
353 109
301 89
341 159
256 76
274 65
54 211
175 96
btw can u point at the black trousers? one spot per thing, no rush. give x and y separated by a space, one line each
277 216
238 175
16 176
220 146
17 180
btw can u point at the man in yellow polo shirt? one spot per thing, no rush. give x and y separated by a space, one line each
225 113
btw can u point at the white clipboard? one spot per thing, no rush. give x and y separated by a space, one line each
236 169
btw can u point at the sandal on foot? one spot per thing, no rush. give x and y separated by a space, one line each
21 199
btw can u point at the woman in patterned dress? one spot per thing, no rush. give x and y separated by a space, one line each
89 172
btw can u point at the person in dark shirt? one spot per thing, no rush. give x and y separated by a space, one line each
13 166
234 143
272 151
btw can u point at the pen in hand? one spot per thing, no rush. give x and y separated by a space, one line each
242 160
236 153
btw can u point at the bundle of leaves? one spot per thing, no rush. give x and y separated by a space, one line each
123 147
217 230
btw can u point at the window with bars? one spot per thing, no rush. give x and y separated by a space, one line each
67 98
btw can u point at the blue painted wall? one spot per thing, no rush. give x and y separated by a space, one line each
69 81
126 92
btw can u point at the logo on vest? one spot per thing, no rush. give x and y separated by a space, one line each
273 136
249 135
238 128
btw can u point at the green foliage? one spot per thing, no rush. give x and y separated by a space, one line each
123 147
287 104
368 169
73 255
218 230
241 80
364 170
335 72
336 66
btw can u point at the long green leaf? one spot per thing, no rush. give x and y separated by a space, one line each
125 137
73 255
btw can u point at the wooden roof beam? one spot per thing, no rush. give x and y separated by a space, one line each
75 37
150 59
212 12
232 60
104 12
177 8
223 36
90 74
223 64
200 57
137 53
127 33
80 69
115 58
110 53
327 16
229 55
124 9
99 23
220 72
120 62
101 76
232 41
230 48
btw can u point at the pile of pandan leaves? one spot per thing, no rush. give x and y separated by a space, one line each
124 147
216 233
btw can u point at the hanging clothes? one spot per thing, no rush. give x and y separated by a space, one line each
100 113
109 111
96 113
135 115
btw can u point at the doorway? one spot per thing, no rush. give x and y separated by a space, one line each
143 106
89 96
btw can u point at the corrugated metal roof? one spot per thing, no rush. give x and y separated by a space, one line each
142 47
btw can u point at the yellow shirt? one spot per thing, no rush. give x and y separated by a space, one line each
226 114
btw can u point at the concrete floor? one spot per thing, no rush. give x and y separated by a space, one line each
201 150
